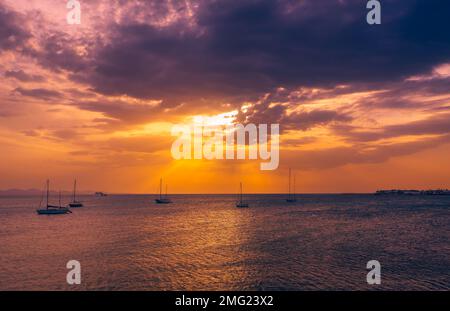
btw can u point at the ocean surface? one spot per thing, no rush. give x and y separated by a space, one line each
203 242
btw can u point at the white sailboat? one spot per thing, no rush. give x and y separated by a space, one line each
291 196
52 209
162 199
241 203
75 203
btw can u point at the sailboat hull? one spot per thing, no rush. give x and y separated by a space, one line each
58 211
163 201
75 204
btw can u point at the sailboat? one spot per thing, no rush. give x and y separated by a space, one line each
161 199
291 196
52 209
74 202
241 203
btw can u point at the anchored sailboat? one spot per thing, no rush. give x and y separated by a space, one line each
52 209
241 203
162 199
291 196
74 202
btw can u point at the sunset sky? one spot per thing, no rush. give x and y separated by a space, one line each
360 107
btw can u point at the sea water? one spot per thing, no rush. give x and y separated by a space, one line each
203 242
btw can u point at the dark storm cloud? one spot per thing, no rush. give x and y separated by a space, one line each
238 51
23 76
307 120
436 125
39 93
244 48
359 154
273 108
409 94
12 34
56 49
58 53
120 112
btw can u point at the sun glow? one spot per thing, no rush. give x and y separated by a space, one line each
226 118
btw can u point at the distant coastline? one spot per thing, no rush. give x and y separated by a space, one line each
38 192
413 192
35 192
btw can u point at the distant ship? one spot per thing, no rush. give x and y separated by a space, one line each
74 202
52 209
100 194
291 196
161 199
241 203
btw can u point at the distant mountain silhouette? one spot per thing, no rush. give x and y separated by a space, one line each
33 191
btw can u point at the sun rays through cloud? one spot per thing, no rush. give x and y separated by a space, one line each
103 96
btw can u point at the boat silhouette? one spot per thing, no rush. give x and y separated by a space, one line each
241 203
291 196
52 209
75 203
162 199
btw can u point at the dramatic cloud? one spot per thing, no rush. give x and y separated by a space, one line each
273 108
39 93
12 35
121 111
359 154
437 125
23 76
245 48
106 92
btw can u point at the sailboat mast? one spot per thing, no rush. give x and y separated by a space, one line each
74 189
160 188
166 190
294 186
241 192
60 198
48 185
289 196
